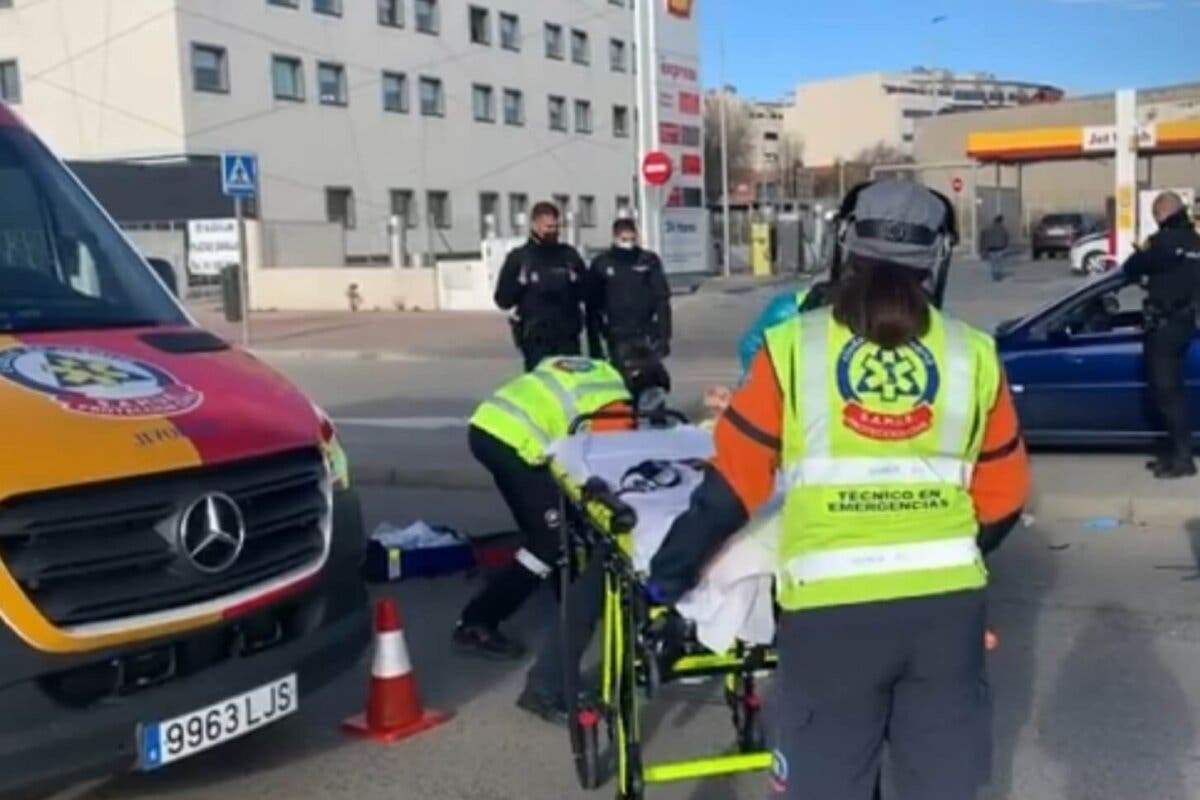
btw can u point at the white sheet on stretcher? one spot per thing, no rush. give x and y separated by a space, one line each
733 599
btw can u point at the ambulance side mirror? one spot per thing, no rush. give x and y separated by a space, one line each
166 273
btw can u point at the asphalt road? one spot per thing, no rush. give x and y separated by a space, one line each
1097 687
1097 680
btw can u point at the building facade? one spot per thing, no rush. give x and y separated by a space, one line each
841 118
444 112
1046 177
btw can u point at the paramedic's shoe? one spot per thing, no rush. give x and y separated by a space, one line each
1176 469
550 709
487 642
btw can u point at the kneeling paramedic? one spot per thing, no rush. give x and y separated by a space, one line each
543 695
508 435
896 432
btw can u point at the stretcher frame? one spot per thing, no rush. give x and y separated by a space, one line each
635 660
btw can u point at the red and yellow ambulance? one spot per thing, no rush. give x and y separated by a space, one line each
179 541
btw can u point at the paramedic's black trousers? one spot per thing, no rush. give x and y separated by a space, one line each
908 672
532 497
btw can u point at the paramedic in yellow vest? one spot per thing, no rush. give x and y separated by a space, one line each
508 435
895 430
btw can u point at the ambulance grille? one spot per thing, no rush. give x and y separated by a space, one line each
105 552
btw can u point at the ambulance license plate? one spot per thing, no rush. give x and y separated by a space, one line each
162 743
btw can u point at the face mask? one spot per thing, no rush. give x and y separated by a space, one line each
625 245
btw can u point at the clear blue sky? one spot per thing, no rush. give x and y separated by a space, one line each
1081 45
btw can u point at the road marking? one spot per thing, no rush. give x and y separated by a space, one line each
403 423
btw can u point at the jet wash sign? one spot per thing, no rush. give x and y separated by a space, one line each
674 124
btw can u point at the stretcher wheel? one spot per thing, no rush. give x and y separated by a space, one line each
587 763
747 720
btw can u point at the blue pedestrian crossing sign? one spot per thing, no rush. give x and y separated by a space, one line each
239 174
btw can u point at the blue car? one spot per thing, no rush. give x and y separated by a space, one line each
1075 367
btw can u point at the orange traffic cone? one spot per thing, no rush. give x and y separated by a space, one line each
394 709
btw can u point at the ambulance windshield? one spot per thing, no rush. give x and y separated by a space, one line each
63 265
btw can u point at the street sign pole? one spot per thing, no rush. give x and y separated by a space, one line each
243 269
239 180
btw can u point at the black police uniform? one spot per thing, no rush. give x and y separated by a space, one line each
1170 266
629 303
545 283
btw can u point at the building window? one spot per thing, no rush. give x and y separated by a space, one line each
428 18
283 3
581 51
624 207
210 68
621 121
489 206
331 7
339 206
558 113
391 13
616 55
10 82
554 41
518 213
481 25
483 101
404 207
433 98
562 202
587 211
287 78
395 92
331 83
514 107
616 2
510 32
583 116
438 205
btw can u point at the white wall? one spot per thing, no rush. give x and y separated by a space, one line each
98 79
307 146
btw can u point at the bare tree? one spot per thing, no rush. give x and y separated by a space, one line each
740 137
791 160
882 153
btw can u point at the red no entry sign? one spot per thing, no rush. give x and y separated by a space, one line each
656 168
957 185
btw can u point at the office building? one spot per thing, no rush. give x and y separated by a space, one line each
840 118
444 112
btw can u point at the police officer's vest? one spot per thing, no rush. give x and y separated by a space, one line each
878 451
531 411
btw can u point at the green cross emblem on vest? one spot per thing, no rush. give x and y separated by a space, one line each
890 375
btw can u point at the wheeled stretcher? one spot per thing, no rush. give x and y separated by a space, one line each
620 493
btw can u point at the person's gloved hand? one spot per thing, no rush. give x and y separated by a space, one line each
656 594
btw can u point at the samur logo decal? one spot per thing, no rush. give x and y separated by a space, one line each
887 394
97 382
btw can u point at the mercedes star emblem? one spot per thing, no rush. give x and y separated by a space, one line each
212 533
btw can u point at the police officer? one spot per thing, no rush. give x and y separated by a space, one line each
629 301
903 464
1169 268
508 435
542 285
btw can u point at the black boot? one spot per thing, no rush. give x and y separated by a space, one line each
1176 468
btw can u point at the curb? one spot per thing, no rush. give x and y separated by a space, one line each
317 354
1128 510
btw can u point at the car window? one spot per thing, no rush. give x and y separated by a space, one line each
1062 219
63 265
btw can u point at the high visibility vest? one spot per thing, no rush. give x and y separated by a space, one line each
531 411
878 450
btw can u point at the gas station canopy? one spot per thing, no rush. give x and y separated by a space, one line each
1081 141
